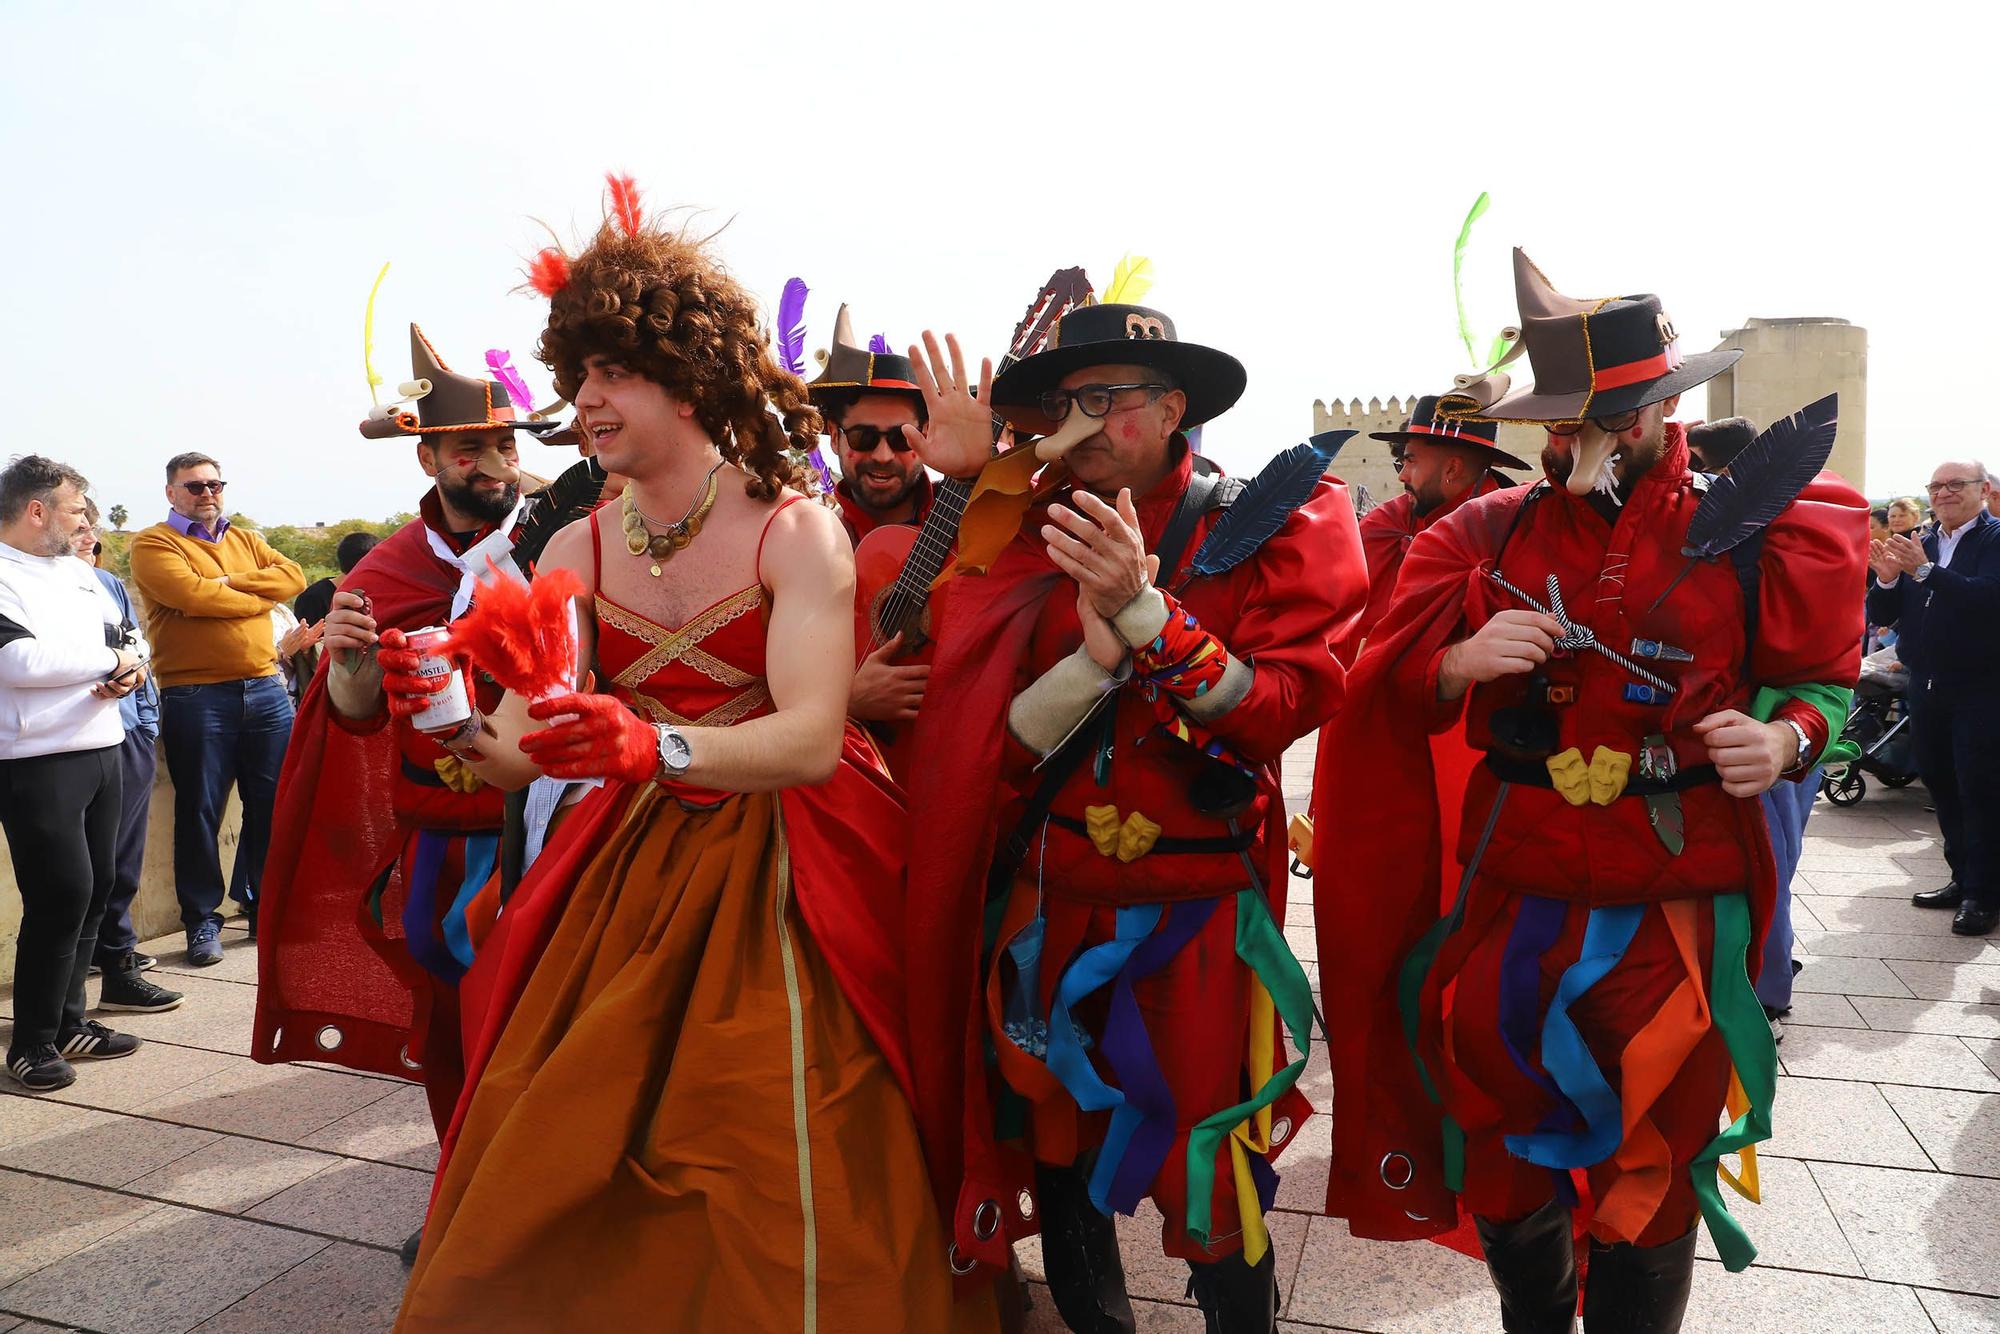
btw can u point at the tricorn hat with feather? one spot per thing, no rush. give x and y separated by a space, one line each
1591 358
437 401
852 371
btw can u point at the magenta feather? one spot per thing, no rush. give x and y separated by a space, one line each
501 363
878 345
792 326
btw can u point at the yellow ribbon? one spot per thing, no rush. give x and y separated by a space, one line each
458 775
1738 1102
1254 1134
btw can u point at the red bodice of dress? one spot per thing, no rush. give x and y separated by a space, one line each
706 673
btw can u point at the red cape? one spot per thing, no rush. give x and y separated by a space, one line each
328 972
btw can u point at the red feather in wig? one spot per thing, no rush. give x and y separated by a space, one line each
625 204
520 633
549 273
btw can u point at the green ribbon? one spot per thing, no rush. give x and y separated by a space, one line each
1261 945
1834 703
1740 1016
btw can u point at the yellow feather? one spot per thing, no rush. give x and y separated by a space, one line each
1130 283
368 336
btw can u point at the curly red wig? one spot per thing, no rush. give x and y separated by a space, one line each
664 307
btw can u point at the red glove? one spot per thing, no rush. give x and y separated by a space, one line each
408 693
601 738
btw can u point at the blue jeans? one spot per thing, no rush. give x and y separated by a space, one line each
230 733
1787 806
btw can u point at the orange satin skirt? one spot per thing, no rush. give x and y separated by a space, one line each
684 1126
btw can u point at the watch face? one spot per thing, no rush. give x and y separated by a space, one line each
675 753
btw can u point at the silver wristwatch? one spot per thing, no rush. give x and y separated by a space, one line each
1923 572
675 752
1804 751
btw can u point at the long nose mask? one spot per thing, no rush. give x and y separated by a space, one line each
1591 466
1075 429
492 463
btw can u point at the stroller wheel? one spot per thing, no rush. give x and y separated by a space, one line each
1897 780
1844 786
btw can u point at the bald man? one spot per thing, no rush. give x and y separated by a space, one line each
1943 596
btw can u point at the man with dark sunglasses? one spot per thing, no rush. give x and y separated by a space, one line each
209 587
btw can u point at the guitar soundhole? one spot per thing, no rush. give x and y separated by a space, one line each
918 625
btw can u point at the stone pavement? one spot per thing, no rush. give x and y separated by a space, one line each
188 1188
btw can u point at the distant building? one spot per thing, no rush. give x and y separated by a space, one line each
1787 364
1366 463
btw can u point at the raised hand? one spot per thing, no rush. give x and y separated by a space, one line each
1904 554
958 438
1100 547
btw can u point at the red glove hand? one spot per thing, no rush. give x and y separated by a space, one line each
408 693
601 738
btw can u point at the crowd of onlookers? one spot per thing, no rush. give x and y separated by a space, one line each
202 659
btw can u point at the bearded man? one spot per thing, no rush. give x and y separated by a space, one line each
1547 969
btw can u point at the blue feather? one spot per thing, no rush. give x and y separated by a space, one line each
1767 476
879 345
792 326
1269 498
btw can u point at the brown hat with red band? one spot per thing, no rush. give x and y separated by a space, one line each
1463 432
852 371
1594 358
439 401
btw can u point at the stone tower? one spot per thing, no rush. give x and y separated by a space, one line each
1365 462
1787 364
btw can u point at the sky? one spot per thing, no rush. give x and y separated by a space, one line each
199 195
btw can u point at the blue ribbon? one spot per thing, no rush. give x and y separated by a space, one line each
1093 968
481 852
1565 1055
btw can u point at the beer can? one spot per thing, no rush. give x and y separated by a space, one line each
450 706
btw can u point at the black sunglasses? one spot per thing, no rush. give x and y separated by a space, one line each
1624 421
1096 400
863 439
204 488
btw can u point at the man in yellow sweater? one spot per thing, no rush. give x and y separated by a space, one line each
209 589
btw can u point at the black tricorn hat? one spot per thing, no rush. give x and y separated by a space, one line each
1594 358
1118 335
1426 425
852 371
447 402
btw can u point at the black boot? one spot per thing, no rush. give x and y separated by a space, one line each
1638 1289
1533 1263
1080 1255
1237 1298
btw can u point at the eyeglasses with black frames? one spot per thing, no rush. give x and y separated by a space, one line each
1098 400
1624 421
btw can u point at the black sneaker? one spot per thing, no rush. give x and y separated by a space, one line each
95 1042
41 1069
204 945
145 963
127 989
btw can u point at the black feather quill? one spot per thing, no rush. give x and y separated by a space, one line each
1266 502
570 497
1767 476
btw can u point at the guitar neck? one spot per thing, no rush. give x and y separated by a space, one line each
933 544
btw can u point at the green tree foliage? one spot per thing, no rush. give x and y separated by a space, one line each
312 548
119 514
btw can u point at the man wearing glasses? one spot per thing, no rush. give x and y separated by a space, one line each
1943 596
868 398
1129 883
209 587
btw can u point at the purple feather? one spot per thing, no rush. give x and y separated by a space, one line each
819 467
501 363
792 326
879 345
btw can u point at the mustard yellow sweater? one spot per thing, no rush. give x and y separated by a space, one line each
208 604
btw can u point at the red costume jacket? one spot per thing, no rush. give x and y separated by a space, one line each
859 522
1399 774
1282 610
1386 534
332 967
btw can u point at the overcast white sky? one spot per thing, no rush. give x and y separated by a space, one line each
200 194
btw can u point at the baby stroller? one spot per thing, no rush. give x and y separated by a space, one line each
1879 727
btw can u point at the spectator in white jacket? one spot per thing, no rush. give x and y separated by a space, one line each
64 665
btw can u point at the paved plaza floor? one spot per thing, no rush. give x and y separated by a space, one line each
189 1188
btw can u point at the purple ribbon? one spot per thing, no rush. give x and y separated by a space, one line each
1144 1128
420 908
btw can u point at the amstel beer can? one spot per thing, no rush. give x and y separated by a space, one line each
450 706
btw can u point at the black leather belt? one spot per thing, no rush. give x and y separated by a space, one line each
1534 773
1171 846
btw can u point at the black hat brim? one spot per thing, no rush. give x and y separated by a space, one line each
1212 380
1530 405
1499 458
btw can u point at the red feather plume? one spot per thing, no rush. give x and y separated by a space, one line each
625 203
520 633
549 271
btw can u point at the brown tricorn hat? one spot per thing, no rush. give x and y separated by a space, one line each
446 402
1591 358
852 370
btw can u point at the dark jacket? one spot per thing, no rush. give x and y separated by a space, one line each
1948 626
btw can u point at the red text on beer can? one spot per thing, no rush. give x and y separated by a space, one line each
451 705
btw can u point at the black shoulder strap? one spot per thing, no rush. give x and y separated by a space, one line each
1205 489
